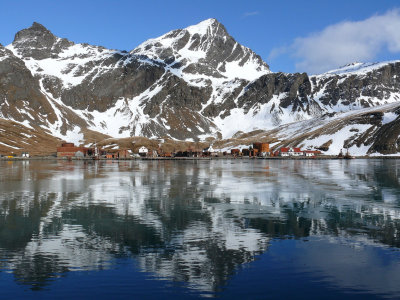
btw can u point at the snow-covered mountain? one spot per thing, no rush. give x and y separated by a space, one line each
204 51
188 84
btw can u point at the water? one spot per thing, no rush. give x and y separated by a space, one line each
230 229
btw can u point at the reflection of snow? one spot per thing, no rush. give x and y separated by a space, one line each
71 248
213 202
192 248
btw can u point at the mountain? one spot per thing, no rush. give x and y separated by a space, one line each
190 84
204 51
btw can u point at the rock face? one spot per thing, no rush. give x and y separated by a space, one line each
188 84
39 43
20 95
363 85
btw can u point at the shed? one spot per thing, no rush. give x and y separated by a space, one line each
235 152
79 154
246 152
123 153
143 151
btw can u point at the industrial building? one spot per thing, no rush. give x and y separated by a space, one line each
70 150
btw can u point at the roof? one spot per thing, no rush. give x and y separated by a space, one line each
286 149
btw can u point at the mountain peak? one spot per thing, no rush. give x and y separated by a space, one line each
206 26
204 50
38 42
35 31
38 26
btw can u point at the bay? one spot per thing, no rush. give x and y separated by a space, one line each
230 229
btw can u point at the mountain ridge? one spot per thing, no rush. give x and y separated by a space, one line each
188 84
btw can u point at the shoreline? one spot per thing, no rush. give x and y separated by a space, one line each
326 157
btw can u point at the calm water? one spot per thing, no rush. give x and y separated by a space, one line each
231 229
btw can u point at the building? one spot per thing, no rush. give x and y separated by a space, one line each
296 152
311 153
253 152
143 151
154 153
79 154
191 152
246 152
209 151
161 153
118 153
262 148
235 152
124 153
25 154
70 150
285 152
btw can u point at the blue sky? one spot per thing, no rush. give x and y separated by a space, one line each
291 36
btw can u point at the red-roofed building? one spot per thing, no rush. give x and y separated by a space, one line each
285 151
296 152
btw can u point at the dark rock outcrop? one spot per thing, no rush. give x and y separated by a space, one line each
20 96
39 43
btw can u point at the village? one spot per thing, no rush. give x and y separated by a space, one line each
257 150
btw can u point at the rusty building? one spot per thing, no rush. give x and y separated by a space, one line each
261 147
253 152
246 152
70 150
118 153
235 152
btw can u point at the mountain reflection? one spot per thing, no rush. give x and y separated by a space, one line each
190 221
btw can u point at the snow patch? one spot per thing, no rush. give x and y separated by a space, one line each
389 117
9 146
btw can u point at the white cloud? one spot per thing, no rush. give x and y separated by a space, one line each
345 42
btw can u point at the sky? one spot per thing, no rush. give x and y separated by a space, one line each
311 36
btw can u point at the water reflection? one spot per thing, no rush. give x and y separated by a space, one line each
196 221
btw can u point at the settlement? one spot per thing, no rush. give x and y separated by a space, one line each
259 150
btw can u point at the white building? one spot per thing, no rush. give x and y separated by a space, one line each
143 151
290 152
310 153
79 154
211 151
25 154
296 152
